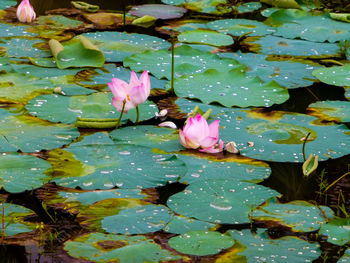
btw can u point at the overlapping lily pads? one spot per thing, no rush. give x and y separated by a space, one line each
338 111
182 224
203 36
100 247
337 231
187 61
117 46
29 134
98 163
220 201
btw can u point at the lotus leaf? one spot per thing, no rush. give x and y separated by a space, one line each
346 257
187 61
298 215
304 25
290 47
181 225
249 7
98 163
22 47
203 6
14 219
338 111
203 36
277 136
185 25
117 46
29 134
96 107
337 230
7 3
22 172
290 74
59 22
220 201
260 248
338 76
158 11
203 48
100 247
201 243
238 27
5 65
7 30
232 88
137 220
162 138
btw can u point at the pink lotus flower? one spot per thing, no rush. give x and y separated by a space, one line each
134 93
25 12
197 134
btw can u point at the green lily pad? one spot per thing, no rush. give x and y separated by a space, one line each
116 46
208 37
158 11
29 134
337 231
58 21
220 201
182 224
238 27
203 6
338 111
232 88
277 136
137 220
304 25
22 47
19 88
100 247
338 76
8 30
22 172
98 163
45 72
96 107
346 257
291 47
252 248
7 3
201 243
185 25
290 74
187 61
300 216
249 7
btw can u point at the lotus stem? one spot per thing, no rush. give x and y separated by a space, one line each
137 114
121 115
172 62
304 142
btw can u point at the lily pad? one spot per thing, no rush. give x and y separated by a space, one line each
208 37
291 47
98 163
338 111
300 216
203 6
249 7
100 247
232 88
338 76
22 47
260 248
201 243
22 172
238 27
158 11
58 21
29 134
96 107
220 201
8 30
181 225
116 46
346 257
290 73
7 3
187 61
337 231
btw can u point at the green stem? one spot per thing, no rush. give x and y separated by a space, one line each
172 62
304 142
121 115
137 114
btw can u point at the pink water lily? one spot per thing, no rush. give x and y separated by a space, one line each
197 134
25 12
133 94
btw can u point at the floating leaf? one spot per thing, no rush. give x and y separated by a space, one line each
29 134
187 61
22 47
201 243
203 6
181 225
158 11
232 88
98 163
282 3
220 201
337 231
7 3
100 247
338 111
338 76
346 257
7 30
85 6
116 46
208 37
249 7
22 172
239 27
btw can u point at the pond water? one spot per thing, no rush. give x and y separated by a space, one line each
75 189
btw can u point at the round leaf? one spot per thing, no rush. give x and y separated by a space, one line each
158 11
338 76
207 37
338 111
